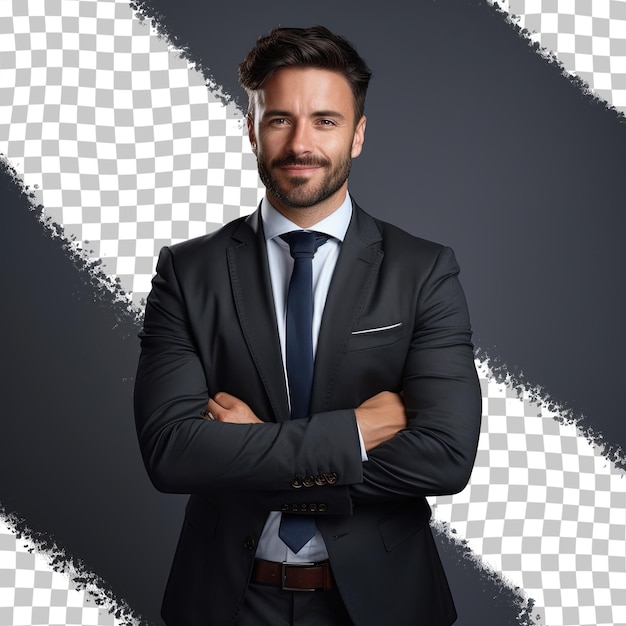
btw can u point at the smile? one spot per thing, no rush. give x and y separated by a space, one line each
300 169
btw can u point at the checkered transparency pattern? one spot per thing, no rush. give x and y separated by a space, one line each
588 37
32 593
545 508
127 146
130 150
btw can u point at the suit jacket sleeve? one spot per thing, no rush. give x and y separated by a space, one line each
441 392
185 453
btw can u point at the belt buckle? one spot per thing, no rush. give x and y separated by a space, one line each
283 573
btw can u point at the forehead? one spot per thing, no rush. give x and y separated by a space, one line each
305 89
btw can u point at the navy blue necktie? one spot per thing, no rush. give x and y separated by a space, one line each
296 530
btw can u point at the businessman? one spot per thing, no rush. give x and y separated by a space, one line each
307 375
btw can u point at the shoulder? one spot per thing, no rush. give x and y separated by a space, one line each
398 244
212 245
196 260
222 237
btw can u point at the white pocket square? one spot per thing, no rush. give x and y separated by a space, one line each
377 329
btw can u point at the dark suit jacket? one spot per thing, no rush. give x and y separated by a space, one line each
210 326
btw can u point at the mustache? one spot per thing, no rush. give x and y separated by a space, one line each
301 162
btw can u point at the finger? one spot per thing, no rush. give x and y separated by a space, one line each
213 410
225 400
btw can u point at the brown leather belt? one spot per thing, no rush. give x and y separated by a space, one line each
293 576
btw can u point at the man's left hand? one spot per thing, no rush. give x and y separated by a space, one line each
223 407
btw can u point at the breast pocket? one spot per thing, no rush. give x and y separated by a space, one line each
375 336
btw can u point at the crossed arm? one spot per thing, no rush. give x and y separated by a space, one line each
379 418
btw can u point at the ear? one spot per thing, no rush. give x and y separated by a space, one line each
359 137
251 133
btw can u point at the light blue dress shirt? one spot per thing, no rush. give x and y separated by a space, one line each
280 262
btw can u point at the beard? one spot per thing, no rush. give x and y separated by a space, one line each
300 192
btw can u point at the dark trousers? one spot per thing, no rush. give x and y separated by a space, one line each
265 605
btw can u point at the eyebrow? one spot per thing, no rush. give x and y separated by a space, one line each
276 113
326 113
329 113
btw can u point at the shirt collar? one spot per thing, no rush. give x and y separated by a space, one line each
335 225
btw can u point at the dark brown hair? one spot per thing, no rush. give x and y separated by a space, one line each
304 47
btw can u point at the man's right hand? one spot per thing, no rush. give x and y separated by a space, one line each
380 418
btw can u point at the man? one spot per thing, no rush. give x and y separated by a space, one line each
308 399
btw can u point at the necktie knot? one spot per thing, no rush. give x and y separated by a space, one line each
304 244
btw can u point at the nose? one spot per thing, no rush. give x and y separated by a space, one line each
300 139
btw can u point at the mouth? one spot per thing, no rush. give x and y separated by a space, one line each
300 166
300 170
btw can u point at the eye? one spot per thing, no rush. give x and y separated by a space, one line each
278 121
326 122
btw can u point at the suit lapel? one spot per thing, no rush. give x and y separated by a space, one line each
250 282
353 279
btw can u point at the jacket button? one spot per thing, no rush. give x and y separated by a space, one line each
320 480
331 478
308 481
285 507
322 508
313 508
249 543
296 483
